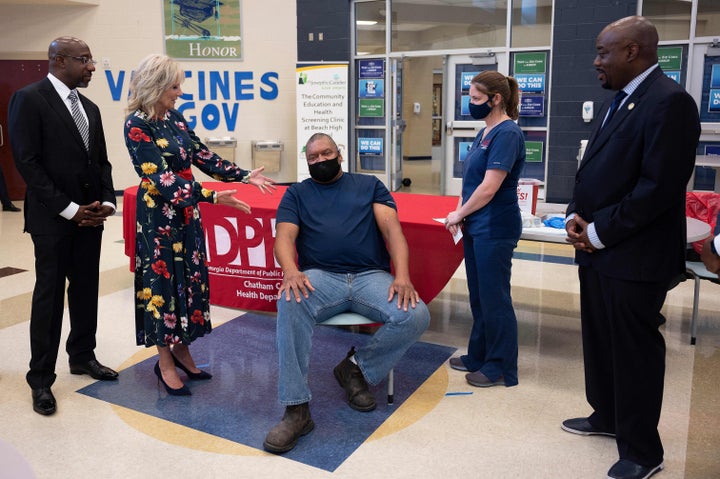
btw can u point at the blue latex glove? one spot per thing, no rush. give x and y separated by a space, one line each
555 222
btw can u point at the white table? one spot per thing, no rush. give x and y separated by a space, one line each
696 230
544 233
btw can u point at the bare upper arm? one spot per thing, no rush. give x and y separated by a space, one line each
386 218
286 231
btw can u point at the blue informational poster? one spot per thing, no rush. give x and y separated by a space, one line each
532 105
675 75
466 80
370 146
531 82
371 69
715 76
464 147
464 108
371 88
714 101
710 97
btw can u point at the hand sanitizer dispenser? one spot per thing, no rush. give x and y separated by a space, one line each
587 111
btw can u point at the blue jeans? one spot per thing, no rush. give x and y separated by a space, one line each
363 293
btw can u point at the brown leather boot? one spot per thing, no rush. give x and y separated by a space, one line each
351 379
296 422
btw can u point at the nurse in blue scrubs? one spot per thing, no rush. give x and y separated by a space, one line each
489 216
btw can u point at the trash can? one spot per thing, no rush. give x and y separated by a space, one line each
267 153
527 191
223 147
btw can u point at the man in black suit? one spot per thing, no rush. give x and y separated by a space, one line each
69 195
627 223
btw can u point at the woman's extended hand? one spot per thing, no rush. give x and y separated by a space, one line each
226 198
260 180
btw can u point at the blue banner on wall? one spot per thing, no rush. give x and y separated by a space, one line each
371 69
371 88
534 82
532 105
710 100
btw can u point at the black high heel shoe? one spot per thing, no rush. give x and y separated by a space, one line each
183 391
199 376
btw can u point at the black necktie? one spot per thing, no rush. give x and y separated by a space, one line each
614 106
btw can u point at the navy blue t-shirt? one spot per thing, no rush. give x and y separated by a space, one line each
338 231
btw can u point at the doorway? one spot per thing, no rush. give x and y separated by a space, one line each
15 75
438 123
422 103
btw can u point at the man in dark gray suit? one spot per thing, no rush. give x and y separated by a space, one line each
627 223
58 144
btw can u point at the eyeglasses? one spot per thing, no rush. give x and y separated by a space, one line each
83 60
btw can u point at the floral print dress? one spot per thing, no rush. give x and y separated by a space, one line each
172 302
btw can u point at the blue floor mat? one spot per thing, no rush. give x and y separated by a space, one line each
240 402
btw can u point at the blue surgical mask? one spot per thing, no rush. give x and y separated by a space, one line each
480 111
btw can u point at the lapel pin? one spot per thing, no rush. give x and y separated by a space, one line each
631 106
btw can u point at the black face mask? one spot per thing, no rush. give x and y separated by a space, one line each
480 111
324 171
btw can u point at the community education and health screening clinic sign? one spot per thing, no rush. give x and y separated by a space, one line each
322 106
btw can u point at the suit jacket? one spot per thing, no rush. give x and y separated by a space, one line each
51 157
632 180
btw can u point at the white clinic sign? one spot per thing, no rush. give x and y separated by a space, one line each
322 107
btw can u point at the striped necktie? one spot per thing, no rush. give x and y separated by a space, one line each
79 119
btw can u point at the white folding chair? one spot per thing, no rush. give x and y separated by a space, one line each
355 319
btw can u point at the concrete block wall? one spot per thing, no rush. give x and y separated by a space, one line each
574 81
323 29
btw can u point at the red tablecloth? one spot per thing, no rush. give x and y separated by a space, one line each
243 271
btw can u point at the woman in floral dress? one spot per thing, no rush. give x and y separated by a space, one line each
171 276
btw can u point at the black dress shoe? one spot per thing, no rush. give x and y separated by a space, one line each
627 469
95 369
202 375
43 401
581 426
10 207
181 391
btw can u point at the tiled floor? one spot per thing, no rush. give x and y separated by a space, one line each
494 433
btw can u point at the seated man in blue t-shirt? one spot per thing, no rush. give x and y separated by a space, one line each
345 229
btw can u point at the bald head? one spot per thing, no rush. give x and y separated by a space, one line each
636 30
64 45
71 61
625 49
